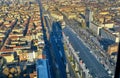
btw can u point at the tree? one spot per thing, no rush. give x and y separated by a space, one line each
3 62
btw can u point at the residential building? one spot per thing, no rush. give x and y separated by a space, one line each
9 57
112 49
95 27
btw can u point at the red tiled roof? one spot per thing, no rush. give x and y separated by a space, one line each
6 50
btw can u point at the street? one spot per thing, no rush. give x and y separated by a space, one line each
91 63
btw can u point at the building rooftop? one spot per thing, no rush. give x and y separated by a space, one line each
42 64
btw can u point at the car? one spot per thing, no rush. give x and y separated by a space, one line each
112 63
109 72
91 52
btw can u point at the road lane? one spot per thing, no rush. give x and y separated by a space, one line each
95 68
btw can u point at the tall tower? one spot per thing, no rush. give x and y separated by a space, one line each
88 16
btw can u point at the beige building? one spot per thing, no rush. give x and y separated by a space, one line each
112 49
23 56
2 34
9 57
95 28
104 13
71 15
107 25
56 15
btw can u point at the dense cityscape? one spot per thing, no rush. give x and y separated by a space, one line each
59 38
